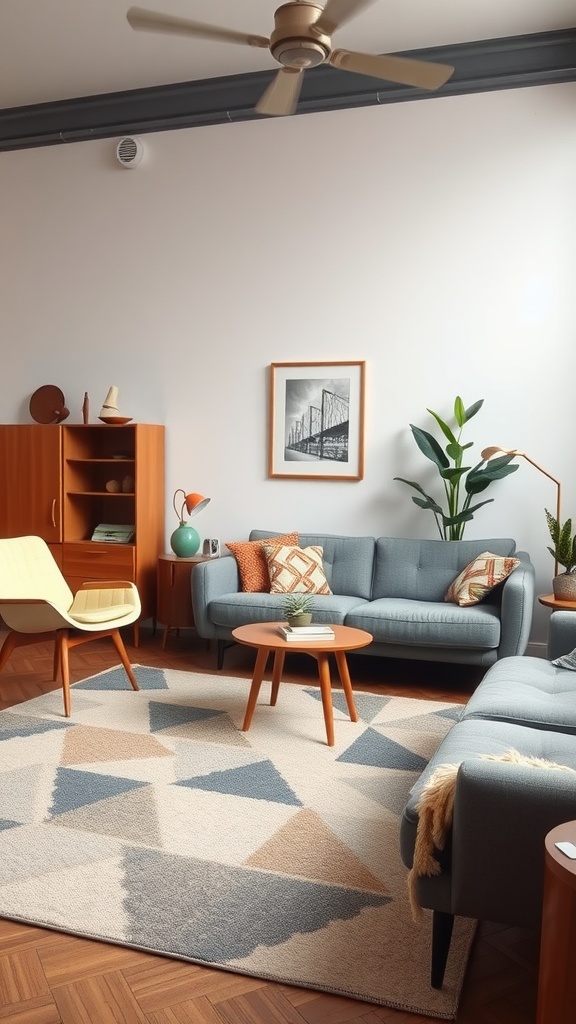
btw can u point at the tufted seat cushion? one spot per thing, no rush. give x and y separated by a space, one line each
526 690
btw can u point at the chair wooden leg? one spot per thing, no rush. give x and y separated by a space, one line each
8 646
62 655
119 645
442 925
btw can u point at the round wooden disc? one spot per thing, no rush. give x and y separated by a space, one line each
47 404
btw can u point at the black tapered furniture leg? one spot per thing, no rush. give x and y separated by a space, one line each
221 647
442 925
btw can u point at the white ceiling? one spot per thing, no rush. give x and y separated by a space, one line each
59 49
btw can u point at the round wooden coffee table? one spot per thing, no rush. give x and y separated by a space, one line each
265 638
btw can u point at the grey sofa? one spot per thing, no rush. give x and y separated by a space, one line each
393 588
492 865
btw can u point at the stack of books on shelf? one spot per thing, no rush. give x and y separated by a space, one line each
312 632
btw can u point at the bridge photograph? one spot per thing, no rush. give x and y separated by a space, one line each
316 417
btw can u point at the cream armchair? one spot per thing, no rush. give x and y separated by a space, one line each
36 603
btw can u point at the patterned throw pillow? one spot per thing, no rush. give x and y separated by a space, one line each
295 570
479 578
251 561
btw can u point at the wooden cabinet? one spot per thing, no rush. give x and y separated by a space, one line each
60 481
31 482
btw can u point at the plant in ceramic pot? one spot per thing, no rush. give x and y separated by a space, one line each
460 483
564 553
297 609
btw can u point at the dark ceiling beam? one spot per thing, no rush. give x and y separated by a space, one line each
484 65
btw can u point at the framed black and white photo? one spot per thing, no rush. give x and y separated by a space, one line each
317 420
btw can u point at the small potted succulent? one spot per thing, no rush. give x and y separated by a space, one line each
297 609
564 553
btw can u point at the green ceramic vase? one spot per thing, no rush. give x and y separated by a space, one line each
185 541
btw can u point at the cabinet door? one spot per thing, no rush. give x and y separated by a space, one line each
31 481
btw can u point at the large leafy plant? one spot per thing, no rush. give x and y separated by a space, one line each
461 483
564 550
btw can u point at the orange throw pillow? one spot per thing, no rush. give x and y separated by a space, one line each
252 564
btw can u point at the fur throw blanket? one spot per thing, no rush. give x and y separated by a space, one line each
435 809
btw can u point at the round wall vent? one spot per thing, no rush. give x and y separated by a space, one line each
129 151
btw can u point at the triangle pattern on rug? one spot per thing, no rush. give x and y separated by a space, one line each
162 889
368 705
74 789
219 729
12 725
93 744
257 781
306 847
421 723
18 790
373 748
131 816
116 679
165 716
392 796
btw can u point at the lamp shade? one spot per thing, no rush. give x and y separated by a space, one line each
195 503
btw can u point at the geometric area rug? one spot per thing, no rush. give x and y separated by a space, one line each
149 819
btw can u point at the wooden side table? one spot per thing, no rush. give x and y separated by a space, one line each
554 602
174 605
556 976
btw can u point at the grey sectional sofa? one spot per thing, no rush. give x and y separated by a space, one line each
492 866
392 587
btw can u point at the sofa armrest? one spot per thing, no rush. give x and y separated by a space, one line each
517 608
502 814
561 634
209 581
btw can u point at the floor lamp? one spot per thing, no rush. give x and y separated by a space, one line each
495 451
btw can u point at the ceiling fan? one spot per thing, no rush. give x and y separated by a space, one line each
301 39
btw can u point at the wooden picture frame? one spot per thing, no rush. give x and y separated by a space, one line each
316 418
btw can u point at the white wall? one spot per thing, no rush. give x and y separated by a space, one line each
433 239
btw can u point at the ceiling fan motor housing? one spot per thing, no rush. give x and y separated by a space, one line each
293 42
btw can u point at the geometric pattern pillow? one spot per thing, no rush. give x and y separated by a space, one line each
566 661
294 570
480 577
251 561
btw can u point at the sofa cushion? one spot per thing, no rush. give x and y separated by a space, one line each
296 570
252 564
430 624
348 561
528 691
240 609
422 570
480 577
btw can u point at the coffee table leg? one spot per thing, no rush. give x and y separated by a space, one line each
276 676
260 665
346 684
326 691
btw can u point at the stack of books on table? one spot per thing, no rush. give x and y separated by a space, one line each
312 632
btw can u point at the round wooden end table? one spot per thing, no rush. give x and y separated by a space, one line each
556 975
554 602
264 636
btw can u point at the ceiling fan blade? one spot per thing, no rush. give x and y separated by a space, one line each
152 21
337 12
419 73
281 96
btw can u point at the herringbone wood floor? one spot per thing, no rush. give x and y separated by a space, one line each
49 978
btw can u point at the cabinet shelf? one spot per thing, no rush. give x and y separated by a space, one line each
100 494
